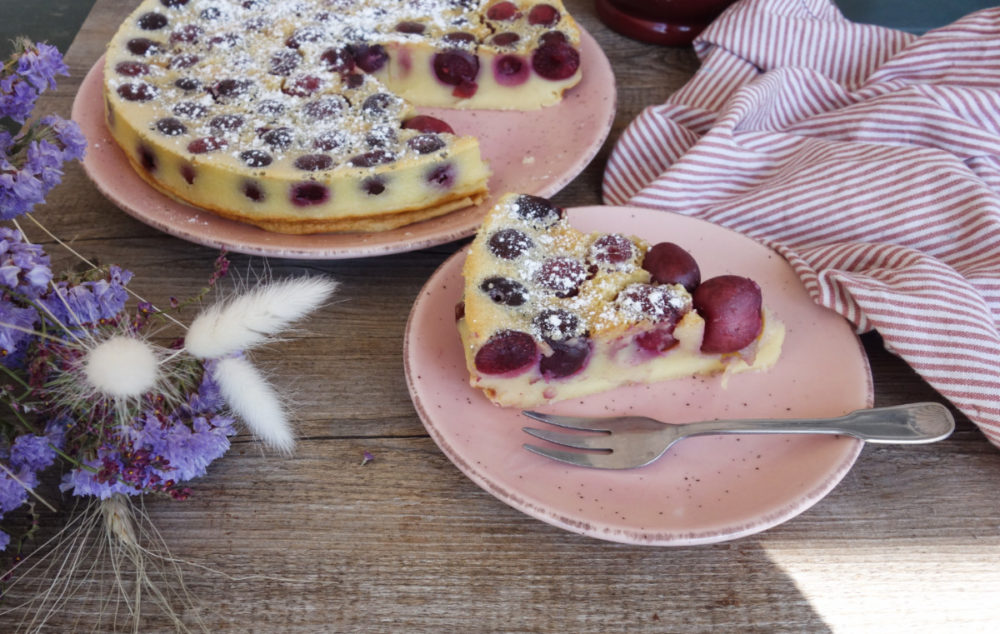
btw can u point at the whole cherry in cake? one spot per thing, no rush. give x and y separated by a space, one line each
550 313
300 116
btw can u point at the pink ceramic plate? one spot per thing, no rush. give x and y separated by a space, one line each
534 152
705 489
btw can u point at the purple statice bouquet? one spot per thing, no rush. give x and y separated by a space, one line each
86 392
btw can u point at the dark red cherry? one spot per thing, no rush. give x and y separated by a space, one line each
137 91
184 60
188 173
649 302
412 28
377 104
505 39
503 11
457 68
567 358
225 41
460 38
612 251
556 324
132 69
538 211
555 61
509 244
354 80
324 108
302 86
370 58
313 162
543 15
373 186
187 34
253 191
338 60
562 276
228 88
659 339
279 138
553 37
283 62
371 159
426 123
144 46
442 176
256 158
190 109
171 126
211 13
504 291
303 35
173 4
270 108
381 136
152 21
326 141
426 143
226 123
506 352
309 193
188 84
205 144
731 308
668 263
510 70
147 158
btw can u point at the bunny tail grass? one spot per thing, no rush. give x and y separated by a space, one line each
250 319
255 401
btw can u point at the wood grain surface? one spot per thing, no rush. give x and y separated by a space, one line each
318 542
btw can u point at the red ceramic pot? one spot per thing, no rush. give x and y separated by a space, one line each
669 22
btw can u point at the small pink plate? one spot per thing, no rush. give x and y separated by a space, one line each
533 152
704 490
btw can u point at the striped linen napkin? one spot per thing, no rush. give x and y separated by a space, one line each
868 157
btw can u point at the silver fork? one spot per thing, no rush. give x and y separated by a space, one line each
626 442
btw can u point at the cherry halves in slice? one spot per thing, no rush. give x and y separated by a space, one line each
732 309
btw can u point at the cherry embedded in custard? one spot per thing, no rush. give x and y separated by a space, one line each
373 186
325 108
171 126
370 58
556 324
658 304
732 308
253 191
188 34
131 69
279 138
457 68
509 244
226 122
303 35
426 143
510 70
147 158
503 11
152 21
553 37
313 162
504 291
668 263
270 108
338 60
411 28
537 211
543 15
256 158
211 13
184 60
173 4
188 173
567 358
612 251
562 276
144 46
190 110
377 104
371 159
309 193
458 37
137 91
505 39
658 340
506 351
283 62
302 86
326 141
187 84
205 144
229 88
426 123
442 176
555 60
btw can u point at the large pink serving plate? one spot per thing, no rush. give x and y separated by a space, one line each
704 490
534 152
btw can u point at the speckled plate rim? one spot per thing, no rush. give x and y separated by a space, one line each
581 123
483 441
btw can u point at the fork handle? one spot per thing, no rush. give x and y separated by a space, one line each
907 424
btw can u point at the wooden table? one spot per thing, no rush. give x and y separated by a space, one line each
909 541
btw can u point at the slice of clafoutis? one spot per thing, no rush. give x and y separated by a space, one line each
550 313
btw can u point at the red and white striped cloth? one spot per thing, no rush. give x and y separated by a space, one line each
868 157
